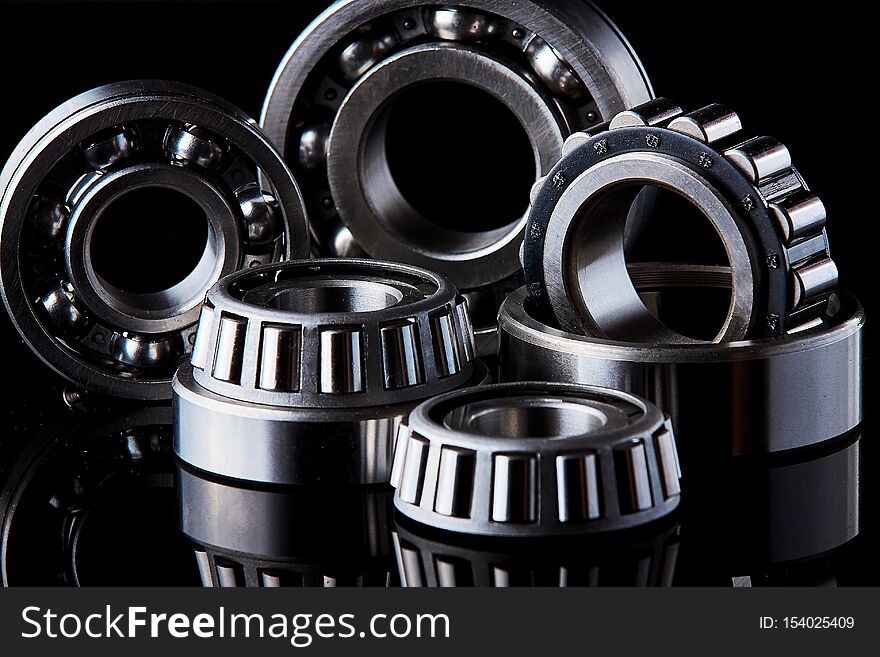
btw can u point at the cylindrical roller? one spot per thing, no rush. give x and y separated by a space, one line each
736 195
386 106
536 459
735 398
302 371
119 210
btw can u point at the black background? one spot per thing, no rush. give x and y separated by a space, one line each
798 74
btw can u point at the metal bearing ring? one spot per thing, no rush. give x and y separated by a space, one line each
736 397
771 226
302 371
364 107
536 459
119 210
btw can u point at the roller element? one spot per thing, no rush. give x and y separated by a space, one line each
633 479
144 351
760 158
574 141
313 147
201 353
551 69
465 329
799 215
269 580
261 221
709 124
813 281
578 487
229 357
113 148
61 305
192 145
343 245
401 355
446 355
455 482
204 565
664 445
452 24
360 56
49 218
341 369
412 477
514 498
229 576
279 363
655 112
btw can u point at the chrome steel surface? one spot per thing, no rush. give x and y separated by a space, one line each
744 397
119 210
302 371
536 459
771 227
388 108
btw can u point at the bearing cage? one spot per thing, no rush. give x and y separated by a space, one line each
80 149
757 198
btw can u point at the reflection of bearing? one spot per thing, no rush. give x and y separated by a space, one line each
352 103
527 459
428 558
111 170
771 227
739 394
302 370
257 535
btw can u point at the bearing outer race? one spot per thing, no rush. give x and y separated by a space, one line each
75 121
426 443
282 445
771 284
740 395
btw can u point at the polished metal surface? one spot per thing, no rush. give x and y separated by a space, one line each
771 228
119 210
551 68
536 459
746 397
303 371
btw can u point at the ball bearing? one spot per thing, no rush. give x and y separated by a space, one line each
529 459
364 107
302 371
119 210
771 226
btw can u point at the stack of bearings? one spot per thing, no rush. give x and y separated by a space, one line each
365 367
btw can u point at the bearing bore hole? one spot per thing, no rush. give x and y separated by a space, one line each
675 232
460 158
529 417
148 240
338 296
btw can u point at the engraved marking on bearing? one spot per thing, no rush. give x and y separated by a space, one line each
601 147
559 180
535 289
748 203
652 140
773 260
706 161
772 321
536 231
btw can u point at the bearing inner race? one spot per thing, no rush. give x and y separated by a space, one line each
595 277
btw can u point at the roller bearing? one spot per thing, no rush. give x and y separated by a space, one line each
291 355
771 225
536 460
71 196
556 68
729 399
